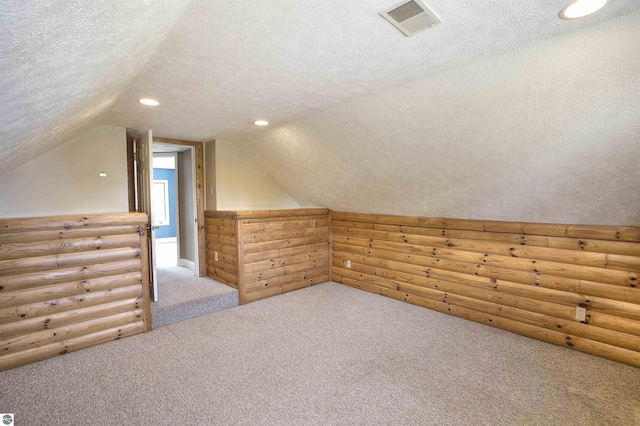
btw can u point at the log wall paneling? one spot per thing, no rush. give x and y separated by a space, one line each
527 278
70 282
222 239
268 252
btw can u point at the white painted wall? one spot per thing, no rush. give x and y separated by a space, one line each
66 179
186 205
240 185
548 132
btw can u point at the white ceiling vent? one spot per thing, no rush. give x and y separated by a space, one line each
411 17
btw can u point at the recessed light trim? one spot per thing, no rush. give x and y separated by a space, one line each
580 8
261 123
103 174
150 102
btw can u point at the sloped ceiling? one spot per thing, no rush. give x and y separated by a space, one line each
549 132
339 82
63 64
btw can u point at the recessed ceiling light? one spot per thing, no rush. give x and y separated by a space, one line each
103 174
580 8
262 123
150 102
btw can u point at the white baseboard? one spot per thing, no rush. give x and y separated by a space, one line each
187 264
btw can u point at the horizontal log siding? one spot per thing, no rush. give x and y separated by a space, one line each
222 237
268 252
527 278
70 282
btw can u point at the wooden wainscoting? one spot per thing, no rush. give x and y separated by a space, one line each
222 238
268 252
527 278
70 282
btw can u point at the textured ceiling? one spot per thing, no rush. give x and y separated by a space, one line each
63 64
548 132
216 66
503 111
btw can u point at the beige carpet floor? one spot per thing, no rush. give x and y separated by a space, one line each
182 295
324 355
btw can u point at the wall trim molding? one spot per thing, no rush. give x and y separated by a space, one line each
185 263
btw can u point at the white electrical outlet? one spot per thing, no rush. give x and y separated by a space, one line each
581 314
215 256
349 264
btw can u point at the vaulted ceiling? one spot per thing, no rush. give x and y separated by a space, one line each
503 103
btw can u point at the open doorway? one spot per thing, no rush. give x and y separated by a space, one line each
166 181
174 219
178 186
174 207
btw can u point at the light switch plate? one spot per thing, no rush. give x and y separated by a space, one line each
581 314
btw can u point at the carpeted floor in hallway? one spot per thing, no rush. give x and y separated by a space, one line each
182 295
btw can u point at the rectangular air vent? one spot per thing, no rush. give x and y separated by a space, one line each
411 17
